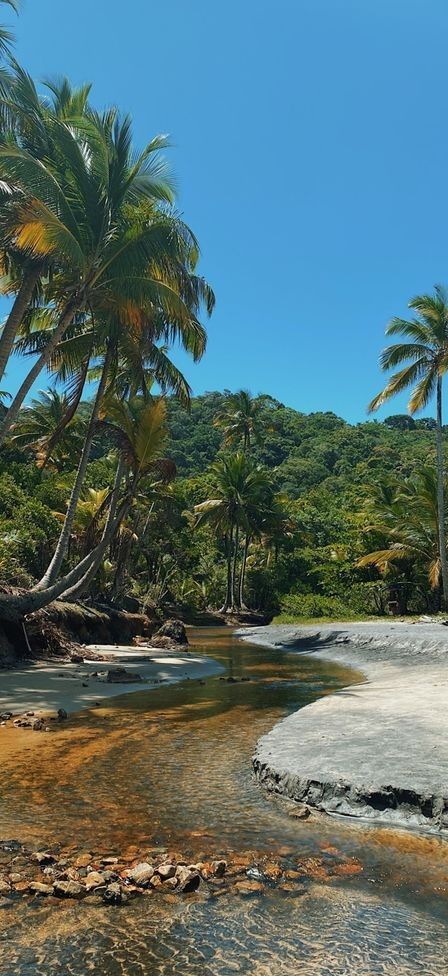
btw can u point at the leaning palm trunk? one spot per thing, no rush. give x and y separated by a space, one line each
52 572
112 524
15 317
440 497
35 371
15 607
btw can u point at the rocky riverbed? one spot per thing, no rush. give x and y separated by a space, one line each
95 877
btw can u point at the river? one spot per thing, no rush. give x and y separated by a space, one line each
171 768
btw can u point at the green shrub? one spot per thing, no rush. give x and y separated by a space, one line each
314 605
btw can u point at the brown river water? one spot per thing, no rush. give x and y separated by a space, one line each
171 768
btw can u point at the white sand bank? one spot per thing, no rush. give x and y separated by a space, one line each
46 686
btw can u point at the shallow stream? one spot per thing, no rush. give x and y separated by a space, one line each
171 768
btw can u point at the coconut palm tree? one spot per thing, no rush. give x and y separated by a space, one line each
36 426
28 125
425 354
92 208
239 419
240 491
131 361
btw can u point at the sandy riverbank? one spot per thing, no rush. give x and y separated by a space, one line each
44 686
378 749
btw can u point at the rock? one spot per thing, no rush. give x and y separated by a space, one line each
43 857
77 658
174 631
83 860
5 888
29 714
62 714
299 811
109 860
141 875
166 871
219 868
170 883
15 877
121 676
95 879
69 889
113 895
156 881
5 716
38 725
248 887
273 870
187 880
109 876
41 889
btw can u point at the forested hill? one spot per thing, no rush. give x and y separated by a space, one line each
304 450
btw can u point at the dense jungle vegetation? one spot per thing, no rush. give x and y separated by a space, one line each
331 494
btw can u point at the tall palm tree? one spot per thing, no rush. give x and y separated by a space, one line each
426 356
239 419
131 361
91 207
240 490
28 125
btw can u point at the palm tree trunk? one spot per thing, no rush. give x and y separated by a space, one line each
440 496
14 608
35 371
243 573
229 588
70 413
52 571
15 317
235 599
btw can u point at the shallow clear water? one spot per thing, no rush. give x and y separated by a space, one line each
172 767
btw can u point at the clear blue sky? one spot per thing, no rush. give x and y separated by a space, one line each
311 147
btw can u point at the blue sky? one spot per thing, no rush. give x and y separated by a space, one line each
311 146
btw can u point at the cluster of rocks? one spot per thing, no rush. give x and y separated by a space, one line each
33 720
112 880
116 880
172 635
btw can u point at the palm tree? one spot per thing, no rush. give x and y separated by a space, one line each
405 516
239 419
36 427
140 433
138 428
132 360
28 125
92 208
240 491
426 357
